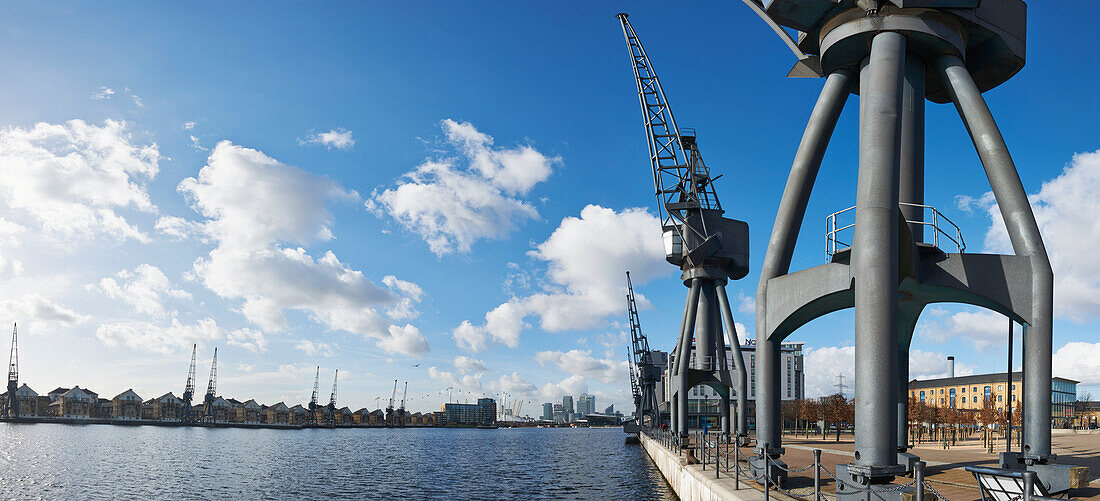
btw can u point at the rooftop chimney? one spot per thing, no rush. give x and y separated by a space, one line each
950 366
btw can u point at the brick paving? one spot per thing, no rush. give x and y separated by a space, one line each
945 471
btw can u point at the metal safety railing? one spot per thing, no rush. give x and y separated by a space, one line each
940 224
722 453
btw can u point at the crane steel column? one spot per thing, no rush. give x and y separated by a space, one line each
777 260
875 253
1023 232
911 196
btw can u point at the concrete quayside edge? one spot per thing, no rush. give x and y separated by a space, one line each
691 482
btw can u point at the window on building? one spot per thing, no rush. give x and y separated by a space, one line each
1013 399
922 395
752 375
964 389
1000 387
975 399
1000 398
941 400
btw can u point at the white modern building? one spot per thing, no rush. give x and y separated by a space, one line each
704 400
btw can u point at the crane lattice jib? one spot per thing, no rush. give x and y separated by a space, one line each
316 388
189 388
635 390
681 180
13 359
637 338
212 385
332 398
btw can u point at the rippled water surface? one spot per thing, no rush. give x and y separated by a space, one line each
54 461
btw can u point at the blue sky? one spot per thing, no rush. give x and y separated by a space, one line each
245 183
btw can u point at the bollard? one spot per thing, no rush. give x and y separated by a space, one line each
817 475
768 473
1029 484
918 479
737 465
703 448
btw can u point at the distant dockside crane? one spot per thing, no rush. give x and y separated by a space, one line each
13 374
643 383
211 390
401 413
188 415
312 417
330 409
389 408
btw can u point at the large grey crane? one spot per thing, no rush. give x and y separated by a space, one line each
330 409
189 389
389 408
709 250
211 390
312 417
13 374
648 363
401 413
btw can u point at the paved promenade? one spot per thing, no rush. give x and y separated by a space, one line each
945 471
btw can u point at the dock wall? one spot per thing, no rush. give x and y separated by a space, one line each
691 482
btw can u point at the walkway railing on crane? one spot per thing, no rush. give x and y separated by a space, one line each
940 224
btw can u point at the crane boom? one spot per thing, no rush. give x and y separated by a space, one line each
209 415
332 398
13 374
316 388
634 390
212 384
403 394
681 180
394 395
189 388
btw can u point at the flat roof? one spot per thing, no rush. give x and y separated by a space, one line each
998 377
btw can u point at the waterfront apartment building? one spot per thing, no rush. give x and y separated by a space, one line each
971 392
126 405
30 403
484 412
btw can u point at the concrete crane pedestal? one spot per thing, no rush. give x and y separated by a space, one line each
895 54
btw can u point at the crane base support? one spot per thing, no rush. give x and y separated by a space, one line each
907 460
1057 478
853 483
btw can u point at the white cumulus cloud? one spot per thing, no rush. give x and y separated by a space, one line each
338 138
1066 209
35 307
176 336
582 363
451 206
252 263
1079 361
586 259
71 179
311 348
144 288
